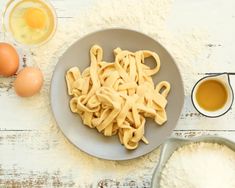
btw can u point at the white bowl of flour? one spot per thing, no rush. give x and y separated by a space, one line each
202 162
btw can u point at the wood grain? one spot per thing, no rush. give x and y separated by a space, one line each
26 144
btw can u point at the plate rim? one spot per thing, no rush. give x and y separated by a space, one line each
124 158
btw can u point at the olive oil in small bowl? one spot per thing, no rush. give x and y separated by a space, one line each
212 96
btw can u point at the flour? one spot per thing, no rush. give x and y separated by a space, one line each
147 16
200 165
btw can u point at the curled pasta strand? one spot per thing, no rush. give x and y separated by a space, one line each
71 76
83 107
165 86
153 71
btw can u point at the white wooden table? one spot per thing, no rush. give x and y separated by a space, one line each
34 153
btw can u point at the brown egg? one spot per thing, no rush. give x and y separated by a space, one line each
28 82
9 59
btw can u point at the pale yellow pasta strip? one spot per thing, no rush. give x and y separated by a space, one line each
108 130
110 81
108 120
87 118
123 113
165 86
161 117
127 86
153 71
71 76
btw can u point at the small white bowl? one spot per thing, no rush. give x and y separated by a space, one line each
222 78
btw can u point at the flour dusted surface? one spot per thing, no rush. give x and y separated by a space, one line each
200 165
147 16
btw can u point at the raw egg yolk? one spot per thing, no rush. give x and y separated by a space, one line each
35 18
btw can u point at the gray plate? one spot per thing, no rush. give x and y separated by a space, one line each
89 140
173 144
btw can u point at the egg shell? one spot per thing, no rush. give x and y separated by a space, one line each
28 82
9 59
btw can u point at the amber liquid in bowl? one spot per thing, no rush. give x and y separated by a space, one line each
211 95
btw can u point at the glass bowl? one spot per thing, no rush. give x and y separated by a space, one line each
10 5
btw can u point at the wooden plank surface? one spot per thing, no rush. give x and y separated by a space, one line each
29 136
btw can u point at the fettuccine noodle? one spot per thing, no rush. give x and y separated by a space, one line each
115 98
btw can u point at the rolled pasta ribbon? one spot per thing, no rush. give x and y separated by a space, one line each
164 86
72 75
153 71
83 107
161 117
132 136
73 105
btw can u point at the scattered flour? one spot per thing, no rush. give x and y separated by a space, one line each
200 165
149 17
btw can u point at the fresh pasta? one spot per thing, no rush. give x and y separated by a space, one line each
117 97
